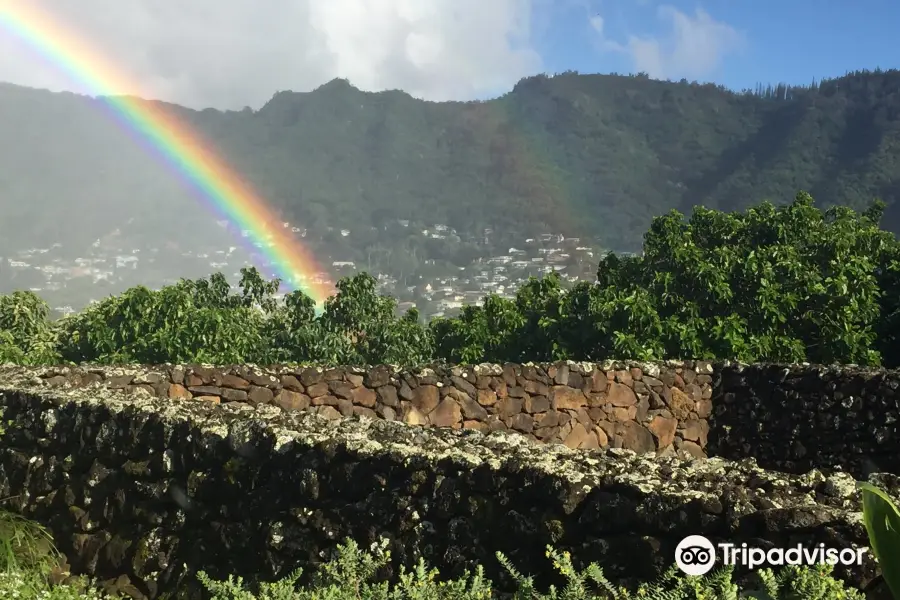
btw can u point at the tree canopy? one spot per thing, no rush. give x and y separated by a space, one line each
786 283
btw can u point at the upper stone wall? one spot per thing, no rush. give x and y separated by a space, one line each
636 406
789 417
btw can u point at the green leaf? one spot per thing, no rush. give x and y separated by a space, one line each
882 521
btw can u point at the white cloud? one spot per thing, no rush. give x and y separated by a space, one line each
235 53
693 47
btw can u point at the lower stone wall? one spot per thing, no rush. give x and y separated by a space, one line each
648 408
136 487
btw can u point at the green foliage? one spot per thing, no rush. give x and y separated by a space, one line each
783 283
882 521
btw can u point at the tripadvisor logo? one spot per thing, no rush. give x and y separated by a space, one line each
696 555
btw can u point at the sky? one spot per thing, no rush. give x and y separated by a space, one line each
237 53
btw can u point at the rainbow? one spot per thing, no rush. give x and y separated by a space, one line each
173 140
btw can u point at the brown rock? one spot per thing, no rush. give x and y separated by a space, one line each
667 377
142 388
234 395
599 382
536 387
547 419
495 424
378 376
326 400
652 382
344 406
205 374
575 380
447 414
292 383
562 397
642 407
426 398
363 396
596 399
509 374
578 437
290 400
663 429
624 377
311 376
317 389
694 391
233 381
388 395
509 406
636 373
205 390
177 374
476 425
582 416
602 438
597 414
471 409
521 422
537 404
547 434
487 397
120 381
463 384
515 391
341 389
623 413
406 391
693 449
695 431
260 395
704 408
636 437
620 394
362 411
561 377
354 379
680 404
176 390
414 416
329 412
191 380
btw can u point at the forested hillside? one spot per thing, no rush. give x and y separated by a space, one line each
594 155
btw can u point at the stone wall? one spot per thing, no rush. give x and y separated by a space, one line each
640 407
789 418
139 470
136 487
800 417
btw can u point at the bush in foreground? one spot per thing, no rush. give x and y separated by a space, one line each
29 571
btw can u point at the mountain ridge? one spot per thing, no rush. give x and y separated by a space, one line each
581 154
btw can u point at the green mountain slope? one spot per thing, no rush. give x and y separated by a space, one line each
592 155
